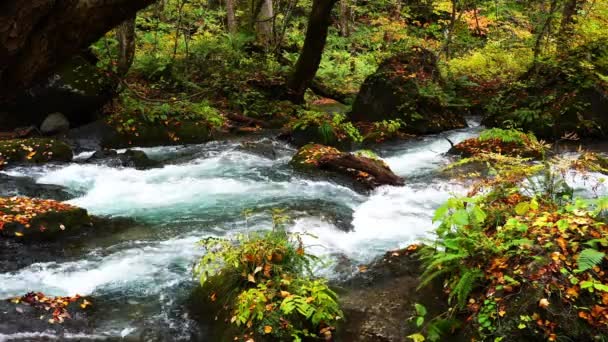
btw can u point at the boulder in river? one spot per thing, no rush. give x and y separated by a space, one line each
379 302
34 314
34 150
364 170
26 186
407 87
130 158
33 218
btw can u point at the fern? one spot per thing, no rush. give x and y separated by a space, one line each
465 285
589 258
327 133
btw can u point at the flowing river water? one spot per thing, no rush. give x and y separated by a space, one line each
141 276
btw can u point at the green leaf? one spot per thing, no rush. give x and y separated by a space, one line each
589 258
419 321
417 337
461 217
420 309
522 208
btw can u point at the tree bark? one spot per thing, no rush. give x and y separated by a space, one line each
231 16
125 34
314 43
264 23
343 162
571 8
545 30
37 35
344 18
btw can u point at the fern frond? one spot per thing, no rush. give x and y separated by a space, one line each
465 285
589 258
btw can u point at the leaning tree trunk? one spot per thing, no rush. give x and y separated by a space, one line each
231 16
125 34
344 18
37 35
265 23
310 58
566 29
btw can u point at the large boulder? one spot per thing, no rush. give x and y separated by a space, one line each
77 89
33 218
26 186
130 158
35 150
367 171
379 301
568 94
55 123
407 87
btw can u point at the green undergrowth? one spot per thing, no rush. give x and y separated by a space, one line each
522 257
265 287
325 128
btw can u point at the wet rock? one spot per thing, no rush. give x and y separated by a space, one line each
30 320
27 218
55 123
77 89
34 150
156 135
25 186
379 302
407 87
130 158
364 171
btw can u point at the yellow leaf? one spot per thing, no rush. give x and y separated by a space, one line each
18 234
544 303
267 329
251 278
30 155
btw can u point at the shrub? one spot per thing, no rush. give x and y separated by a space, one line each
523 260
265 280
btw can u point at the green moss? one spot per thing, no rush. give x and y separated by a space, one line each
34 150
154 135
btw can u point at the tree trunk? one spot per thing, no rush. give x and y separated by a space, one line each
545 30
310 58
264 23
571 8
231 16
37 35
344 18
125 34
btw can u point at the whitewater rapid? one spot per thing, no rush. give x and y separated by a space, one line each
202 191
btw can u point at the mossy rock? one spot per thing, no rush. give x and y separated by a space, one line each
31 218
34 150
558 97
407 87
188 132
307 157
476 146
361 171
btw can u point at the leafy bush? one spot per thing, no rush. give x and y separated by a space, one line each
330 127
526 267
269 289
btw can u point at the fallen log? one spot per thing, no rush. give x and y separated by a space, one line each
363 167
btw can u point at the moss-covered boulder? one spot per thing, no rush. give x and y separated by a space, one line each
407 87
566 95
77 89
177 133
34 150
498 141
363 170
31 218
